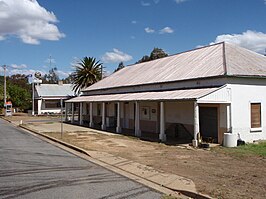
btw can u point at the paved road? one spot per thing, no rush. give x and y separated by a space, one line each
32 168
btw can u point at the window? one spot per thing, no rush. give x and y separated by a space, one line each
49 104
255 115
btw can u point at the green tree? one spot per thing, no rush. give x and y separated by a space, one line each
50 78
19 79
156 53
87 72
119 67
20 97
18 91
69 79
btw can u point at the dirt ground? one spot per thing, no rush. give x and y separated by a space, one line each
215 172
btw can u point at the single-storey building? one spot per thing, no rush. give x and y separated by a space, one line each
47 97
204 93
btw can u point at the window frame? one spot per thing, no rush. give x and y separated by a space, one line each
256 129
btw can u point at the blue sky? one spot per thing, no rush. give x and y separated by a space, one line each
120 30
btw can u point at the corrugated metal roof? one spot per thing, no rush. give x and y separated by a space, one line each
240 61
147 96
210 61
54 90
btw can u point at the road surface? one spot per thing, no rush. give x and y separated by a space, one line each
33 168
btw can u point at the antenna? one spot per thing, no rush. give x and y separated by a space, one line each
50 61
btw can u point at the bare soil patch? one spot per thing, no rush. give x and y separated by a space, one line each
215 172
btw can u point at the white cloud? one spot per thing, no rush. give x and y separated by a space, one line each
23 71
166 30
134 22
252 40
116 56
180 1
63 74
132 37
145 3
156 1
15 66
265 2
149 30
27 20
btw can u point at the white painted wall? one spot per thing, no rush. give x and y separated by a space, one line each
223 115
242 96
152 111
39 106
43 110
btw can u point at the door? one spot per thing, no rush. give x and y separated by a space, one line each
208 117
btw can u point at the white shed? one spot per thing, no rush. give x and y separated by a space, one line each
48 97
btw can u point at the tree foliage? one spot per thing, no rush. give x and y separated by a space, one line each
51 78
20 97
18 91
69 79
87 72
156 53
19 80
119 67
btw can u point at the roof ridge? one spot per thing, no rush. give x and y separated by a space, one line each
186 51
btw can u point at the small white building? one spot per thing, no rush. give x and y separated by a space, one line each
205 92
48 97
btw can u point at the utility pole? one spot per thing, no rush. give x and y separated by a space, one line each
50 61
32 96
5 86
61 103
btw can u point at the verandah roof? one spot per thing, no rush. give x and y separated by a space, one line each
185 94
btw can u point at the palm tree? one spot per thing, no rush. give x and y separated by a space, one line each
87 72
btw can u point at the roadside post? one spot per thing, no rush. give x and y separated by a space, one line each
61 103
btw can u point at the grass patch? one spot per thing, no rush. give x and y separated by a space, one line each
258 149
49 122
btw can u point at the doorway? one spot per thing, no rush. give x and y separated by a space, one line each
208 118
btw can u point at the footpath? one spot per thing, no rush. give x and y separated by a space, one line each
170 184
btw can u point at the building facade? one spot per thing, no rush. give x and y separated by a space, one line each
202 94
48 97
